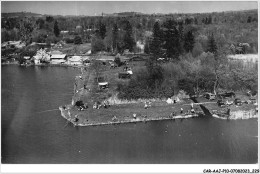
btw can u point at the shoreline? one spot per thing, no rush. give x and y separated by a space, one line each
46 65
136 120
139 119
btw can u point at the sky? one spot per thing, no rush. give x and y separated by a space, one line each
148 7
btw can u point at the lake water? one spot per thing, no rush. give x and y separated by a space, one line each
30 135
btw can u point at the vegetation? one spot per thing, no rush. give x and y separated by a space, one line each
193 47
56 29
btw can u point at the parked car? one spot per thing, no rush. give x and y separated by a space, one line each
228 94
124 75
163 60
113 65
103 85
221 103
238 102
210 96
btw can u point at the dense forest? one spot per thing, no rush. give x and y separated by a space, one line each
227 27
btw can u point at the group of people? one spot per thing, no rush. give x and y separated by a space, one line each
147 104
191 111
98 105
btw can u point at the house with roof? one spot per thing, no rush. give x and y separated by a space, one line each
75 60
58 58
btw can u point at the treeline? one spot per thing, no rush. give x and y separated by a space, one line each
228 27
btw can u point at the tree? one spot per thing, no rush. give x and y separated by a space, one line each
172 42
189 41
96 66
216 67
128 37
210 20
206 21
102 30
212 46
118 61
26 28
156 44
49 19
249 19
181 37
196 21
155 77
77 40
115 37
147 44
56 29
219 63
97 44
197 50
203 20
4 35
27 51
40 23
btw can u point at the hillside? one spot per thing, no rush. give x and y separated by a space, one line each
21 14
230 27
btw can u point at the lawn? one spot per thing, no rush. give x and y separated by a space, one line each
75 49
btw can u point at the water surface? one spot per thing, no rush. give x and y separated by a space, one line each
30 135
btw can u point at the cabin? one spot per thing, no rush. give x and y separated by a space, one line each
58 58
75 60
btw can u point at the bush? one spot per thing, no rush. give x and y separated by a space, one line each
187 85
69 40
146 84
197 50
97 45
117 60
51 39
77 40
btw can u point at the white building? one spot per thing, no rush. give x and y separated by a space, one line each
75 60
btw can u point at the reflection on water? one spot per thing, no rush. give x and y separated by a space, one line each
30 135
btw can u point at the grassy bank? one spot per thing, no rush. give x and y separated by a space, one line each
124 113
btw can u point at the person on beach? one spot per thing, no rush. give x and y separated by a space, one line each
181 110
